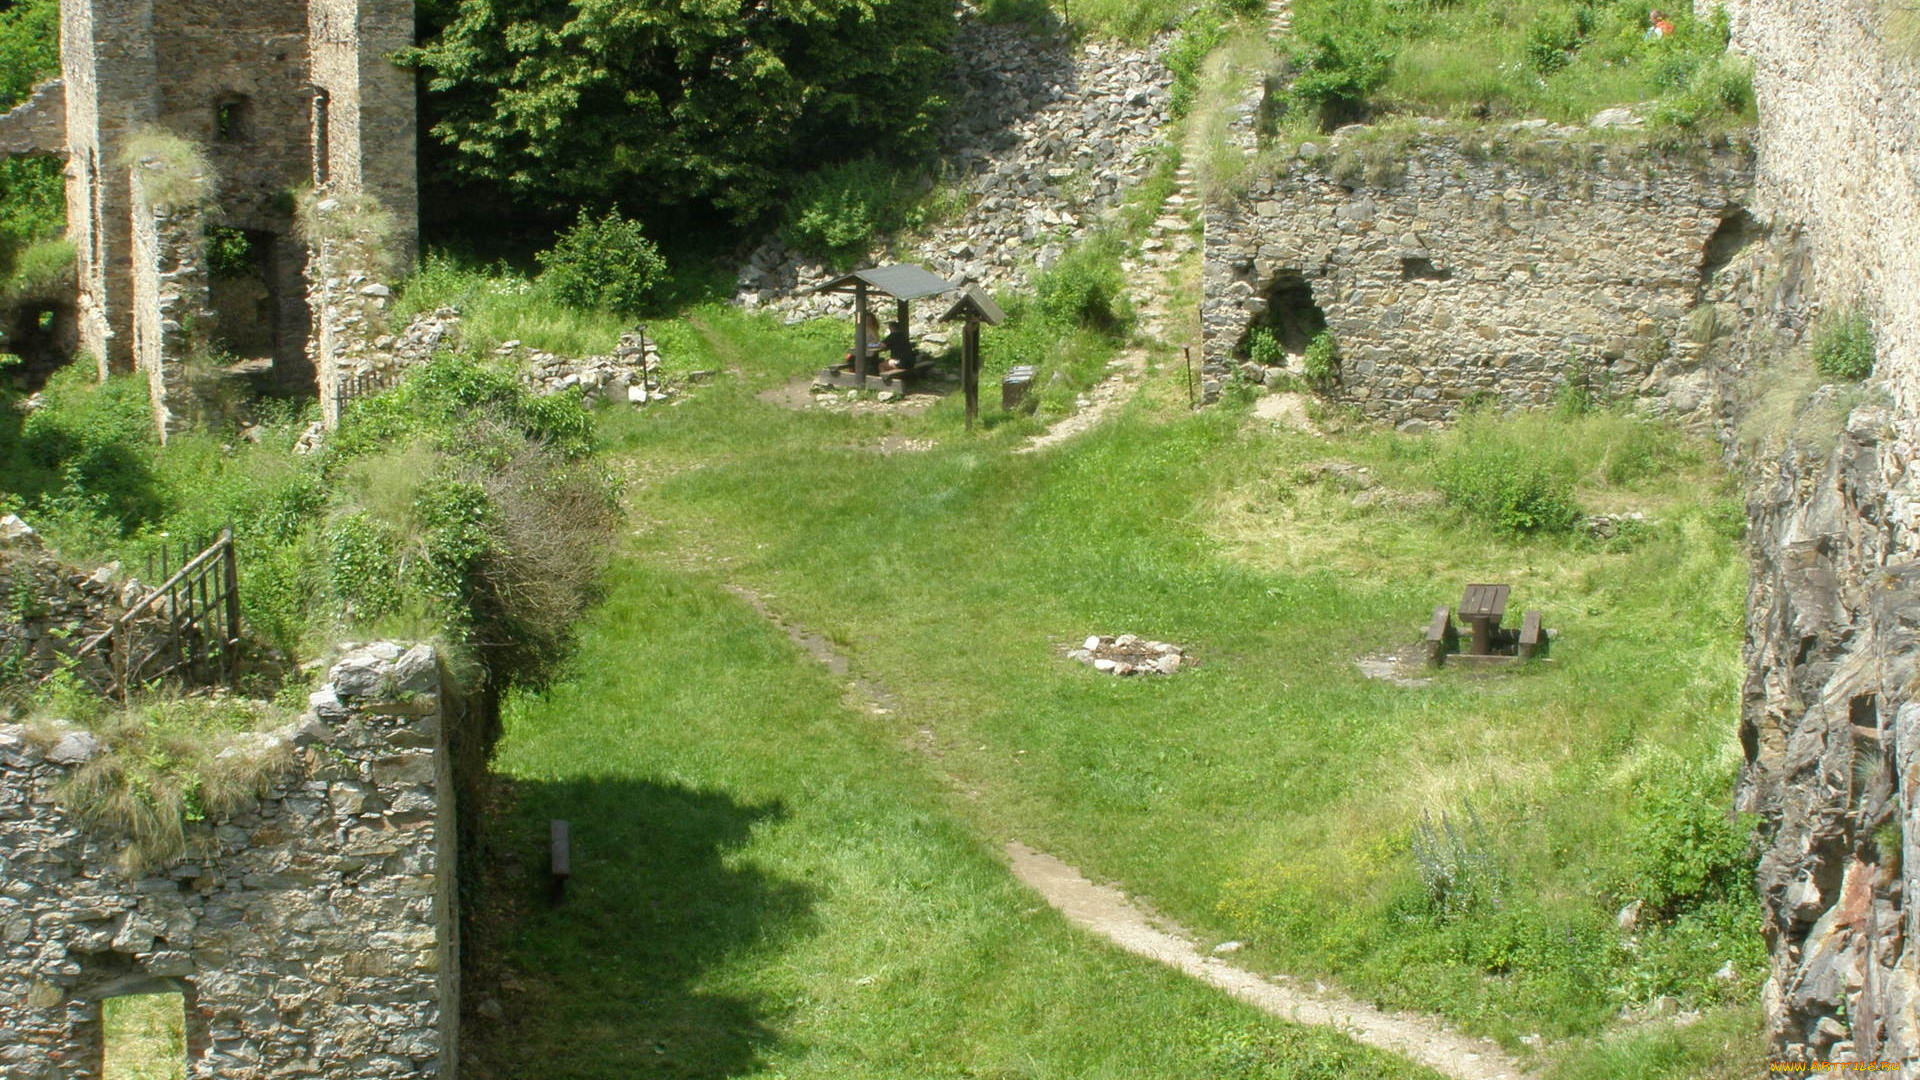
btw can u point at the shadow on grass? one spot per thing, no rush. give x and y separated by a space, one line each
617 982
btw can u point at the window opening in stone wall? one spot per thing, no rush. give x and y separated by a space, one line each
1418 269
322 148
1291 320
144 1037
233 119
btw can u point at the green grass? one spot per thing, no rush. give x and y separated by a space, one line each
1508 59
1269 795
146 1037
766 884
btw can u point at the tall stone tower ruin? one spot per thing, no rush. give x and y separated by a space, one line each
277 94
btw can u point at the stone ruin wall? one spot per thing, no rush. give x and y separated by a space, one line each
1478 264
170 313
108 67
313 934
1829 721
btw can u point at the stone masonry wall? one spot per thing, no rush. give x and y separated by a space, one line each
108 66
314 935
370 112
171 316
37 125
1829 722
1449 265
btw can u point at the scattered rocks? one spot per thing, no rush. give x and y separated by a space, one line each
1039 141
1128 654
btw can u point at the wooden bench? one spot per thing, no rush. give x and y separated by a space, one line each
1533 639
1442 636
561 866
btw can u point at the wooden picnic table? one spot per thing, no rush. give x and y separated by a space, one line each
1482 608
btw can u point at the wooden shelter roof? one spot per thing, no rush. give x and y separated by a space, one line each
975 302
902 281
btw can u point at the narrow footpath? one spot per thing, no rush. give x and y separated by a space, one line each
1108 912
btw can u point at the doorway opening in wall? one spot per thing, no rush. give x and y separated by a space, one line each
144 1037
1280 334
244 293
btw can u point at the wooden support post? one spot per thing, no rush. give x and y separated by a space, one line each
561 854
970 368
862 362
231 646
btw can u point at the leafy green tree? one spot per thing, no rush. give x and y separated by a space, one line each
32 200
705 103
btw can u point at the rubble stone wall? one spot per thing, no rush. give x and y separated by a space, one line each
1454 265
170 305
313 933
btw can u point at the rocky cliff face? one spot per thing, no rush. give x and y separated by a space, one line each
1830 721
1832 734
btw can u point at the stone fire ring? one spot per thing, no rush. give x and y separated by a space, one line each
1128 654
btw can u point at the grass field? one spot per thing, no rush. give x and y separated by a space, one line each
1271 796
766 885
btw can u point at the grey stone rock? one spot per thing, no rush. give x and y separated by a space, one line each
76 748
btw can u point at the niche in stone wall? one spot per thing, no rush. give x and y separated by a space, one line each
1737 232
244 291
1290 316
233 119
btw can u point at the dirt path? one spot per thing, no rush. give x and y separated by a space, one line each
1155 262
1107 912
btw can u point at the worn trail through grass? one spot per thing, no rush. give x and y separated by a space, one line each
1107 912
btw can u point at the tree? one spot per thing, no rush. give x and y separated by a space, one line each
698 103
32 193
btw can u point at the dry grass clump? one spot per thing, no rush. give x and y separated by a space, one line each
173 172
353 230
169 765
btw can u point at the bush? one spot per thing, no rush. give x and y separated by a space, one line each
606 264
1322 361
1457 864
1086 288
1507 484
1339 70
1686 849
1263 347
839 211
1843 345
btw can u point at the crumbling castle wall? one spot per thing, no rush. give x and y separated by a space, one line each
1453 265
278 94
170 290
312 934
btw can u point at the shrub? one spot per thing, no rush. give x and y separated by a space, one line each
1339 70
42 268
1321 364
1551 40
1685 849
1263 347
229 252
1086 288
839 211
604 264
1506 483
1843 345
1457 865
